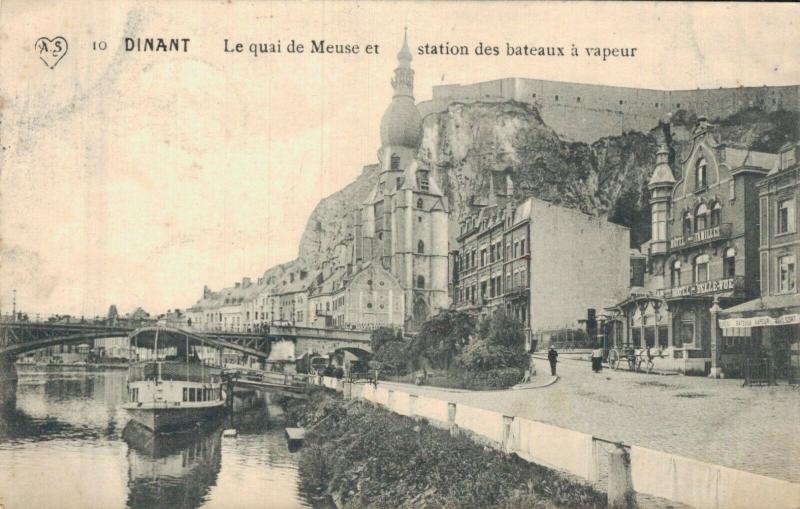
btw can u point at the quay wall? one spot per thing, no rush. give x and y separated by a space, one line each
672 477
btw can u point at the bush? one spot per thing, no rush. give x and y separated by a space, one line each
395 355
370 458
483 355
500 378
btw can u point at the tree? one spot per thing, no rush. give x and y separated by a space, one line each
383 335
503 330
395 355
443 336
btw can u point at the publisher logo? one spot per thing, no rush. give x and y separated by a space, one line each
51 51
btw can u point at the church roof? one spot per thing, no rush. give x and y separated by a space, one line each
401 124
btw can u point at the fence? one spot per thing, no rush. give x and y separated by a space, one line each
759 372
676 478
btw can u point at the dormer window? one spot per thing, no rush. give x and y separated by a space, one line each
700 173
788 157
394 162
419 203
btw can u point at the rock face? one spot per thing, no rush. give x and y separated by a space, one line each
467 142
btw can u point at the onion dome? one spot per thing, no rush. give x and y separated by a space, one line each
401 124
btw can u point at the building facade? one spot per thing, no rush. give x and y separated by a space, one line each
703 253
771 322
541 263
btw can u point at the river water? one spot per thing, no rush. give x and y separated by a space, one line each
68 444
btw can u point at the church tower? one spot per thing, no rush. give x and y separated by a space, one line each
660 185
405 219
401 135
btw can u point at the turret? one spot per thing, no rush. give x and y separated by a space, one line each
660 185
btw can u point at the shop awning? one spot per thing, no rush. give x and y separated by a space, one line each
772 310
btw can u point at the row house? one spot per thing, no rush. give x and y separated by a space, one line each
773 319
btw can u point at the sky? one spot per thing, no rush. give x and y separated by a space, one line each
136 178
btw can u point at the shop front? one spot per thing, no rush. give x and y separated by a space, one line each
675 323
766 329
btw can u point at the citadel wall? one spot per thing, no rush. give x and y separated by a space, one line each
583 112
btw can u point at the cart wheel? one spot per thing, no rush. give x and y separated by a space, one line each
613 359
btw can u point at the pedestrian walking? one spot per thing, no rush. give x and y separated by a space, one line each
597 360
552 356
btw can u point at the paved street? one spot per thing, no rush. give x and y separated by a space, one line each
718 421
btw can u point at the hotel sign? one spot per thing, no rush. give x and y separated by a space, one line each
760 321
715 286
712 233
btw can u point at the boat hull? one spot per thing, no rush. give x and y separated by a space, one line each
167 419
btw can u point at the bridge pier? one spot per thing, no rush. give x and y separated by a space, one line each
8 382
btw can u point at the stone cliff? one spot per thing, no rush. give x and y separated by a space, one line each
466 142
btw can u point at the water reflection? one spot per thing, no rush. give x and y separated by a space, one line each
173 470
67 443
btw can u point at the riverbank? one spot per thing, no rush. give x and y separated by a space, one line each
361 456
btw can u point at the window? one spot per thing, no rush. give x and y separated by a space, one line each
700 170
715 214
731 190
420 247
786 215
663 336
701 268
729 263
394 162
578 99
192 394
422 180
787 158
787 279
701 217
636 337
687 223
420 281
419 203
522 246
675 274
687 332
185 394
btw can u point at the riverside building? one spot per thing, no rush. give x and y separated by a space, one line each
541 263
703 254
772 320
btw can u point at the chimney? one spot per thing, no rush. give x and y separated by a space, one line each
206 291
238 284
246 282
